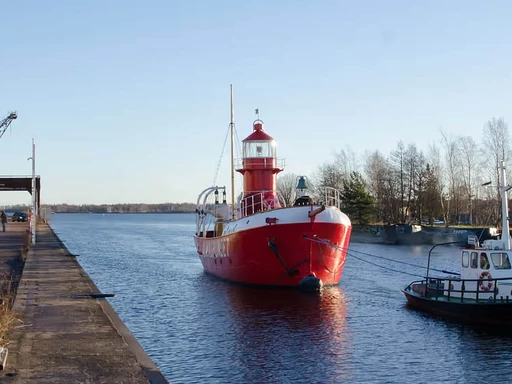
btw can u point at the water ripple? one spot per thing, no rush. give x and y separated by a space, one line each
198 329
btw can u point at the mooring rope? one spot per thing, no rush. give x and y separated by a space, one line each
336 270
351 253
383 267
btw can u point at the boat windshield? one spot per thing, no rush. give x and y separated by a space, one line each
500 260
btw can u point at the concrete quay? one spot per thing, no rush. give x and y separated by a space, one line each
61 334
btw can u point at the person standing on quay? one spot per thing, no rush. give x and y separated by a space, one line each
3 219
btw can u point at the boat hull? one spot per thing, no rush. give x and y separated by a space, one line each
482 313
272 254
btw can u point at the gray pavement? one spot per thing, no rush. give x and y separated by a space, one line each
61 337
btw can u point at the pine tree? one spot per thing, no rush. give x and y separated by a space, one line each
432 196
358 204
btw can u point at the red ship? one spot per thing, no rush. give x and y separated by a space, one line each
259 242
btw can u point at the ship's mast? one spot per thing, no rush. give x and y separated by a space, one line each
505 226
232 127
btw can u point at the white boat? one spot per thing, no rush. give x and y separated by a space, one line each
482 292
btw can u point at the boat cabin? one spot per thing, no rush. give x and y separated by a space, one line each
491 258
482 266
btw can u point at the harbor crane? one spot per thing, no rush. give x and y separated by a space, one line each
4 124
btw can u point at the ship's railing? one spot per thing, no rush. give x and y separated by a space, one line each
331 197
264 162
443 288
257 202
211 206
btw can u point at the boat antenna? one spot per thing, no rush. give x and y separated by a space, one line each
232 127
505 226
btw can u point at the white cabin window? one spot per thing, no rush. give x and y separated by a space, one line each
500 260
474 259
260 149
465 259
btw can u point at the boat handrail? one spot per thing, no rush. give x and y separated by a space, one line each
265 162
257 202
203 208
332 197
436 285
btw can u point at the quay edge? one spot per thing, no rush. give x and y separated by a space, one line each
58 338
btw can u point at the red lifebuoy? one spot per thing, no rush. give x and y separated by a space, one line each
487 275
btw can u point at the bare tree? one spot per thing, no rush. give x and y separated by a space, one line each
346 162
467 157
497 142
397 159
414 163
382 186
436 170
450 153
373 169
329 175
286 184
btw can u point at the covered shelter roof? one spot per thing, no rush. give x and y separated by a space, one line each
21 183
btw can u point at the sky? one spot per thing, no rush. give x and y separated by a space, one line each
129 101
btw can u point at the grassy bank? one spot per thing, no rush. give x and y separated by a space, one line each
9 282
6 311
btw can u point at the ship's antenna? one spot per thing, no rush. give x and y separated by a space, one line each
232 126
505 226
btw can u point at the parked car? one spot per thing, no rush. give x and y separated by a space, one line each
19 216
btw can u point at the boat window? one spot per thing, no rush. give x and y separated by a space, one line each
484 261
465 259
500 260
474 259
260 149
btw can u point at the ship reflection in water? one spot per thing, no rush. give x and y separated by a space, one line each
289 336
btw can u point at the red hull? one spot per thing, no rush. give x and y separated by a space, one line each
246 256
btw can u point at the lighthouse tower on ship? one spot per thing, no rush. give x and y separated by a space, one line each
259 169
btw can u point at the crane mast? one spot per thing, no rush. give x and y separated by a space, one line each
4 124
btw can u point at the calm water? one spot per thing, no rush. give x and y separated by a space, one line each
201 330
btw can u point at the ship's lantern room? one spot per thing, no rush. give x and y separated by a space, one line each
265 148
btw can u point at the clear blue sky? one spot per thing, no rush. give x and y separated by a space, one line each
129 101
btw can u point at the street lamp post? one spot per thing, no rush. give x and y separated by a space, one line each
34 198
